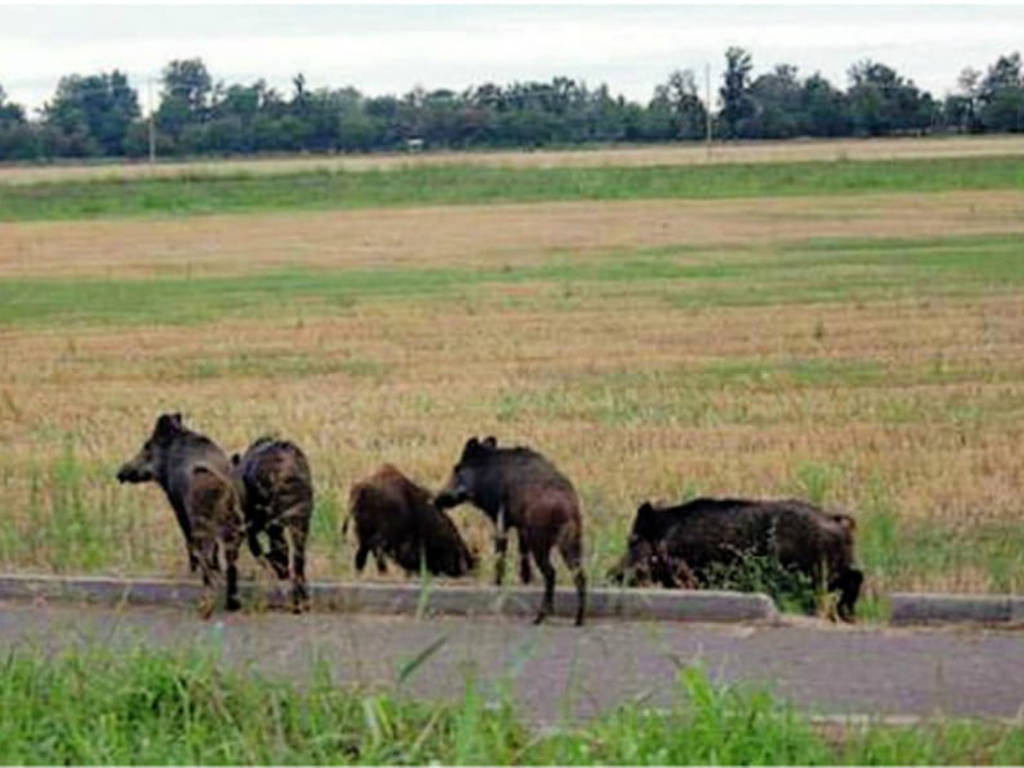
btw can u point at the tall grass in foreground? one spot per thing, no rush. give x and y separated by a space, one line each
144 707
74 518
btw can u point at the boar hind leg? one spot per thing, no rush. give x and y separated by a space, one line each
277 555
190 545
848 584
206 556
542 556
525 574
297 532
500 548
572 553
361 555
232 543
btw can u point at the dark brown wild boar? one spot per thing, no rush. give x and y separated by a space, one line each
195 475
519 488
706 531
276 487
397 518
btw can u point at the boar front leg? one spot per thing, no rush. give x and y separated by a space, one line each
500 546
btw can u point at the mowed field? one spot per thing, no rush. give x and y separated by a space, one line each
863 350
690 153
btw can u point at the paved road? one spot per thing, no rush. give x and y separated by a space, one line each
557 668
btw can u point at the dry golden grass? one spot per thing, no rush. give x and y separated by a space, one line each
633 397
632 156
468 236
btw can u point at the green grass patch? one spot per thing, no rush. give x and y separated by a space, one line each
455 185
793 273
140 707
73 519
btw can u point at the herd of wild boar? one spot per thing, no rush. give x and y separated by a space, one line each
268 490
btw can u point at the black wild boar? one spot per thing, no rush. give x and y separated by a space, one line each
195 475
519 488
396 517
706 531
276 487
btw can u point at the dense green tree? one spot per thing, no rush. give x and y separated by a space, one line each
824 108
961 109
678 97
737 104
90 115
10 113
185 97
883 102
1000 96
777 97
1005 73
99 114
18 139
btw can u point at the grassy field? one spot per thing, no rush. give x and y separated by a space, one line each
854 338
140 707
440 185
688 153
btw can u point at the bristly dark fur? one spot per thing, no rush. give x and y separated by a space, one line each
519 488
705 531
397 518
195 475
276 486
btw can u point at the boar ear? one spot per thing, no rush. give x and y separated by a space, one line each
471 445
644 510
490 442
168 424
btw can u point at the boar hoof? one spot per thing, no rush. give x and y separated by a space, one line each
539 617
205 608
233 604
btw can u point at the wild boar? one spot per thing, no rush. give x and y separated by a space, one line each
195 475
396 517
276 487
519 488
801 536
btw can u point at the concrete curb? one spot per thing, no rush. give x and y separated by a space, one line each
930 608
674 605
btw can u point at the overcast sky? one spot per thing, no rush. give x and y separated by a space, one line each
390 49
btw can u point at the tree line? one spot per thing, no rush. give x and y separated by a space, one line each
99 115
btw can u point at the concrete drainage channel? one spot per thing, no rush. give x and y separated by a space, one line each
413 599
926 608
409 599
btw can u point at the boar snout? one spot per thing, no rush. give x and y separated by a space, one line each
450 497
129 473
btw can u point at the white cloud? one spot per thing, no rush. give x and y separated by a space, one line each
391 49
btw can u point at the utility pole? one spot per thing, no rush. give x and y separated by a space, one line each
152 127
707 110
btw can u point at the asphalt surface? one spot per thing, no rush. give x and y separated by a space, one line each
557 669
